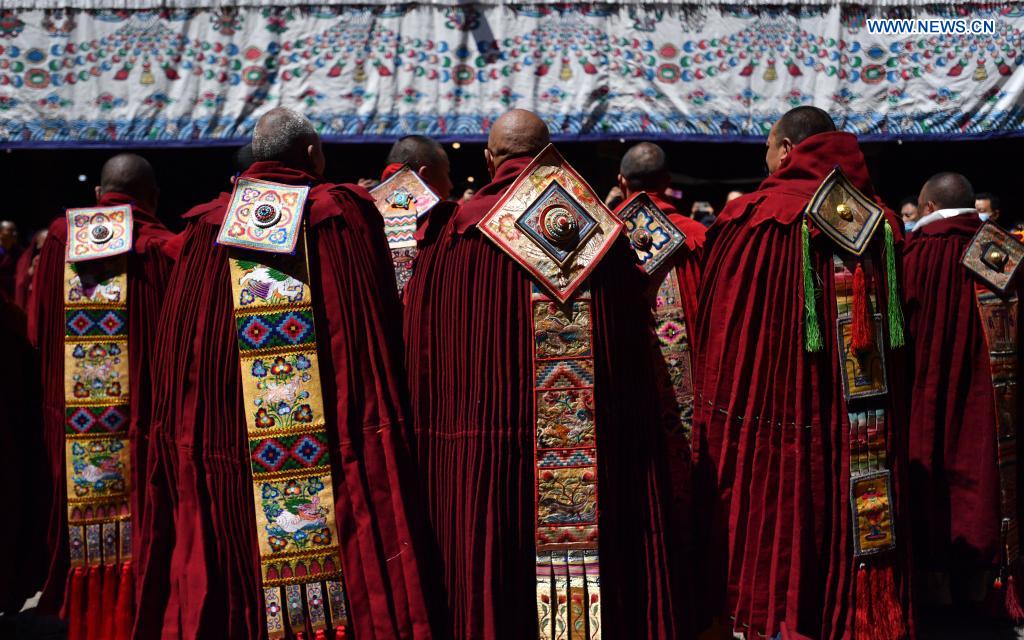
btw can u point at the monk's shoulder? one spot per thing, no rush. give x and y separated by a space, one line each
58 229
349 202
695 232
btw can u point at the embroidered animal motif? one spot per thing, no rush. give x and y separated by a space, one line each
269 284
298 515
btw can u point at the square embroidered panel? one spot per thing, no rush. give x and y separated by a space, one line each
844 213
263 215
402 199
553 224
98 232
994 256
652 235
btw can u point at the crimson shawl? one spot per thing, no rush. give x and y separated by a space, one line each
200 563
771 429
468 335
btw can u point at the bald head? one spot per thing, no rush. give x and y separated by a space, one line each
131 175
426 157
285 136
946 190
795 126
516 134
643 168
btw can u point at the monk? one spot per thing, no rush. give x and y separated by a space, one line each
126 179
468 337
426 157
772 428
26 268
207 567
10 252
957 474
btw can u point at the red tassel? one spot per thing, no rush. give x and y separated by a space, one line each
887 612
1013 607
862 606
863 333
339 632
93 612
108 600
125 597
320 635
76 605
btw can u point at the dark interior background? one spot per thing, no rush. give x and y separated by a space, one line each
42 183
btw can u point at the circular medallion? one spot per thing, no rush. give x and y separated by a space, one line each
266 215
845 212
642 239
101 233
559 226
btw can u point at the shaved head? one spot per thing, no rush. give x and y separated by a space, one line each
516 134
426 157
643 168
285 136
947 190
131 175
803 122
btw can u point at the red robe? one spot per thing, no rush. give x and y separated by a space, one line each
24 477
8 268
954 475
468 336
148 270
201 572
22 277
782 523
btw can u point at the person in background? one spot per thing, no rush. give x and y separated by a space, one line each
467 195
26 267
703 212
988 205
427 158
732 195
909 213
9 254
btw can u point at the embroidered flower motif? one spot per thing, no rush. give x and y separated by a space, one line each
300 536
270 491
292 488
507 227
315 486
280 367
259 369
114 350
277 544
80 391
97 351
302 362
114 389
322 537
246 297
79 352
303 414
283 409
264 420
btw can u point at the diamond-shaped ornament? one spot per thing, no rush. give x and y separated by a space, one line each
402 199
553 224
994 255
844 213
264 216
98 232
652 235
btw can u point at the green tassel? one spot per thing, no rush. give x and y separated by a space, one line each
812 328
896 338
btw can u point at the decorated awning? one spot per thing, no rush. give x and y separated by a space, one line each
110 72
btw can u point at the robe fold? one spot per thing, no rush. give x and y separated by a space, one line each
771 431
954 473
201 569
468 335
24 479
148 271
22 277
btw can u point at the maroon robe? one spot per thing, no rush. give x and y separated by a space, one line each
24 476
8 269
771 427
148 270
22 277
468 332
201 571
954 475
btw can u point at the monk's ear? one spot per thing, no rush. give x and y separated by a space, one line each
99 192
316 158
623 185
489 158
786 146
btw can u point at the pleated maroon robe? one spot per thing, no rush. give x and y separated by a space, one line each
22 277
24 477
468 335
771 428
201 573
954 475
148 271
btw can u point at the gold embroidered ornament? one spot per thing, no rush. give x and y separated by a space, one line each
554 225
97 408
283 403
652 235
403 199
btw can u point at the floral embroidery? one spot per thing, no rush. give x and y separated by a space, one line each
283 397
97 467
96 372
294 514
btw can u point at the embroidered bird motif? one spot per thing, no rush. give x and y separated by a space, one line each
300 515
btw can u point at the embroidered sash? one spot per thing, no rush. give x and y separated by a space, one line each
283 403
999 324
674 342
96 387
403 199
553 224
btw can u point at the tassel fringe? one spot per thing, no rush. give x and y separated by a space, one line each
339 632
92 595
1012 601
123 609
863 332
108 600
812 328
76 605
878 612
896 337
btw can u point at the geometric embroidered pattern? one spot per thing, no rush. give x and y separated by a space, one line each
402 199
282 394
566 468
674 342
96 387
283 329
285 453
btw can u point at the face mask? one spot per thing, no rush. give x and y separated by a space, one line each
908 225
984 216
